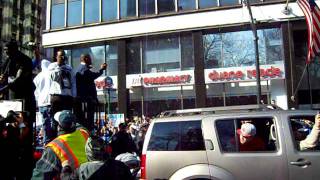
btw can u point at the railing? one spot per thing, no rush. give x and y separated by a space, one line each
217 110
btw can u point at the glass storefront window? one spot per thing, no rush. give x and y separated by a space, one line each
165 6
215 95
133 52
109 10
236 93
229 2
74 12
97 54
160 99
161 54
146 7
272 39
91 11
127 8
207 3
112 59
151 101
187 57
186 5
136 98
68 56
235 49
57 13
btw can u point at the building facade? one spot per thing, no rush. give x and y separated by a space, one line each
21 20
180 54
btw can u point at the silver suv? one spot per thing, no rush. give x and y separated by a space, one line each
204 144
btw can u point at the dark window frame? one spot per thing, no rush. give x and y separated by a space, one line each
289 120
197 125
236 121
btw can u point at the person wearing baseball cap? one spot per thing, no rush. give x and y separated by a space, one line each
248 140
66 150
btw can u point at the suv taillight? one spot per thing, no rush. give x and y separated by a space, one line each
143 167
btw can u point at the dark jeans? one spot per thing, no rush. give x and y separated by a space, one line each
84 110
48 134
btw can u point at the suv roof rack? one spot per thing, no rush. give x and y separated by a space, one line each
221 109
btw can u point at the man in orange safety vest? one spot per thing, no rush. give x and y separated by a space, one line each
67 150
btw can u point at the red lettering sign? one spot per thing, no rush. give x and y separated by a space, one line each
265 73
167 80
225 75
271 72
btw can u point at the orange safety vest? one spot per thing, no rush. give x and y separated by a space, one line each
70 148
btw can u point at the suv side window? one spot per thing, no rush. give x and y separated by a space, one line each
246 135
303 135
176 136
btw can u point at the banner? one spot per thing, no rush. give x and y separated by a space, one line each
116 119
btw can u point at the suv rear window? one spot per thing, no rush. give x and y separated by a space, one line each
176 136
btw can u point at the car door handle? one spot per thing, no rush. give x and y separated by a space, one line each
301 162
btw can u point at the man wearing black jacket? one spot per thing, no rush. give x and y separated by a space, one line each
86 91
122 142
17 77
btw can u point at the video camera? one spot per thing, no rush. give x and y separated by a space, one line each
10 118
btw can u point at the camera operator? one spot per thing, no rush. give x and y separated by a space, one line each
15 151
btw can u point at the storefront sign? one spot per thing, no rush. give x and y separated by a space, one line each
161 79
105 82
235 74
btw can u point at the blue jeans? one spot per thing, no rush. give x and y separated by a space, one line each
46 124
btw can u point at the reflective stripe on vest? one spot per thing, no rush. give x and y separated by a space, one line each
70 148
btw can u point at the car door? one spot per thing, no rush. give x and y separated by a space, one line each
303 164
251 165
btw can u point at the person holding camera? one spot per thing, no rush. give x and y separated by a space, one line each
14 143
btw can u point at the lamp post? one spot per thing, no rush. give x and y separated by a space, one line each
255 36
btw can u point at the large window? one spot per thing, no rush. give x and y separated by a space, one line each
109 10
237 93
74 12
186 5
57 13
150 102
97 54
160 54
207 3
146 7
91 11
127 8
165 6
229 2
187 58
112 59
134 57
235 49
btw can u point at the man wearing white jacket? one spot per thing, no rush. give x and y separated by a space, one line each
42 82
63 87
